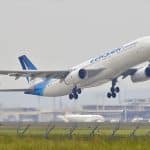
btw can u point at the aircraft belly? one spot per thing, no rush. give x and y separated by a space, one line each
57 89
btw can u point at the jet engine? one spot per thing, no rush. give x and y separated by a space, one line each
76 76
140 75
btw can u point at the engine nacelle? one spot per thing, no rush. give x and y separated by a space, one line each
76 76
141 75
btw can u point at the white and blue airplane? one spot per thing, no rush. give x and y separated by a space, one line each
109 66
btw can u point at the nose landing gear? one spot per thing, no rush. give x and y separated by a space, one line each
75 93
113 90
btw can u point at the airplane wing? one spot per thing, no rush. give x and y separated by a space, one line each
35 74
129 72
61 74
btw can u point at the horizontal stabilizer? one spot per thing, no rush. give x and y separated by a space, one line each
14 90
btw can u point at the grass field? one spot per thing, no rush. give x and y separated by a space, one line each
80 140
8 142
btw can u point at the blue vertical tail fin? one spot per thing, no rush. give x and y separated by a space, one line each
26 64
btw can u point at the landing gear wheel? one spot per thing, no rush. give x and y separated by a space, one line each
117 89
70 96
112 89
74 93
75 96
109 95
79 91
74 90
114 95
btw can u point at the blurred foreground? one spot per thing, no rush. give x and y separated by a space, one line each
104 136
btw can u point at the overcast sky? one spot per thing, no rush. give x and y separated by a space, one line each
58 34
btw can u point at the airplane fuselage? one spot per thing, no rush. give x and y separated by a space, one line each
115 62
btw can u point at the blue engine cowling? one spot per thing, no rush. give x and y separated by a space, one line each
82 73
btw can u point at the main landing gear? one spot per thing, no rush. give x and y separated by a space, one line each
113 90
75 92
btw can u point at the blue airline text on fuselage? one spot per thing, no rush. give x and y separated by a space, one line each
114 51
105 55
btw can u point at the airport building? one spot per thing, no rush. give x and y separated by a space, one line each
19 114
131 109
